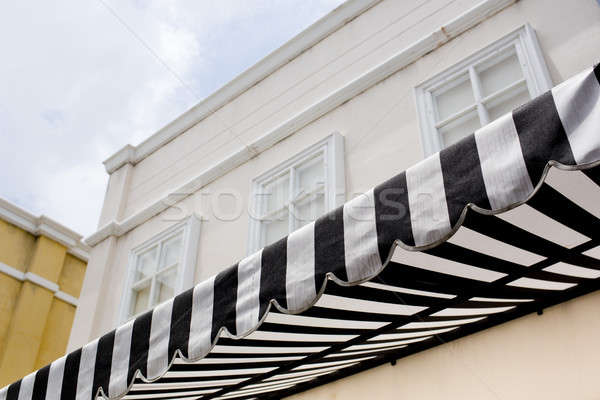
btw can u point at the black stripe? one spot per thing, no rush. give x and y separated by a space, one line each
13 391
463 178
224 301
506 232
103 362
593 174
450 251
70 376
542 135
597 72
272 275
140 343
41 383
329 247
556 206
180 323
392 214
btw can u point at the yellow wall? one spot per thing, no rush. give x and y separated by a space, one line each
34 323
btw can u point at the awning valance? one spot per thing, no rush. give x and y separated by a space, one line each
504 223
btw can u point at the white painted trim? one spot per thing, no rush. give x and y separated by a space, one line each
190 229
13 272
38 280
42 225
402 59
332 148
536 74
67 298
247 79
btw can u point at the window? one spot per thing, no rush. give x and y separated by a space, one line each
297 192
160 268
480 89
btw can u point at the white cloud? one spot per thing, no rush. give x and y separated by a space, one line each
77 85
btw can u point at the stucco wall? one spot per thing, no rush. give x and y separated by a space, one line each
381 139
552 356
34 323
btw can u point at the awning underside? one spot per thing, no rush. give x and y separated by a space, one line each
504 223
494 269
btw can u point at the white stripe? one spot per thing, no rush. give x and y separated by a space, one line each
537 223
201 321
120 360
55 379
427 201
360 238
460 312
3 393
573 270
474 240
26 388
502 164
300 273
158 351
247 306
85 378
532 283
578 103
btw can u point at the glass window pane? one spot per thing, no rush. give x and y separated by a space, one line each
455 96
146 263
507 103
459 128
165 285
309 209
310 175
500 74
139 299
276 228
277 193
171 251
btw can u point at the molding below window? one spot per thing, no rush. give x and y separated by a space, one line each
403 58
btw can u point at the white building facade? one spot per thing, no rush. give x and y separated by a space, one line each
364 93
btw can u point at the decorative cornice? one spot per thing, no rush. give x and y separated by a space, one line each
42 225
247 79
405 57
40 281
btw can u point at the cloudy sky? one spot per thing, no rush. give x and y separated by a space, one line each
79 79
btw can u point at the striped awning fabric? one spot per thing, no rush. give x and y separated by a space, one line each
504 223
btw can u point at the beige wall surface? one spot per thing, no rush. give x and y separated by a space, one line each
554 356
380 128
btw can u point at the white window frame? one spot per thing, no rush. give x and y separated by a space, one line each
535 73
332 148
190 230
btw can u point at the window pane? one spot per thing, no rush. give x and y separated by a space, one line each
171 251
455 96
146 263
309 210
460 128
507 103
275 229
310 175
277 193
500 74
139 299
165 285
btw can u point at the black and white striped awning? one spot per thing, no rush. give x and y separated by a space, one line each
502 224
